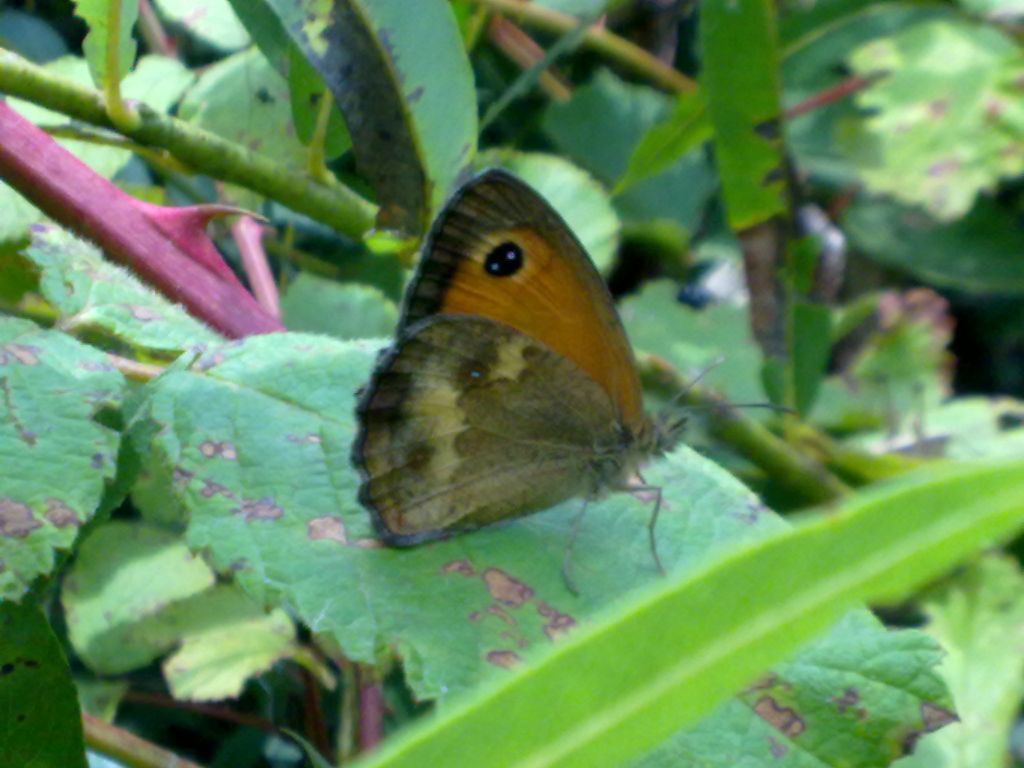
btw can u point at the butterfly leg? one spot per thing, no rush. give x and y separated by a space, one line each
574 532
653 522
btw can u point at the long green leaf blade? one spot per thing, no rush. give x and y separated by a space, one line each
663 660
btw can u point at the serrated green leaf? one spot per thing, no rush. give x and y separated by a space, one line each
92 295
979 619
742 84
577 705
97 16
580 199
343 310
404 83
947 120
52 389
258 436
40 725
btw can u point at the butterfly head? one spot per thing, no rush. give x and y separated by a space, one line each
667 431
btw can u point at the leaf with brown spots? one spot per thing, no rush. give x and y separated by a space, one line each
454 606
58 461
92 294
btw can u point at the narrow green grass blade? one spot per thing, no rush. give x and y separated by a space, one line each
664 659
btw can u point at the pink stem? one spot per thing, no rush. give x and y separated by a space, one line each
248 235
76 197
371 712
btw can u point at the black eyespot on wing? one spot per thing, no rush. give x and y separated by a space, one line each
504 260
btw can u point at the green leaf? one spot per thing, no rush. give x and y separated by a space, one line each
97 16
664 144
254 440
125 573
717 337
404 83
979 253
307 91
91 295
226 638
601 127
581 200
53 390
820 38
212 21
876 709
947 120
244 99
812 343
979 619
41 725
742 84
136 592
342 310
782 591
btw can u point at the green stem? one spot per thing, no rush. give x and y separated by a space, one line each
127 748
786 466
335 205
123 117
599 40
317 166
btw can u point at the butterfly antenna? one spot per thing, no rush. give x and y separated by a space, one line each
697 379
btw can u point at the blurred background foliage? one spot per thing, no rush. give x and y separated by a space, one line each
813 204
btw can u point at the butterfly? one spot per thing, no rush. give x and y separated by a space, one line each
511 385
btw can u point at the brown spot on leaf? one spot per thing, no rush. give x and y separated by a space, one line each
211 448
475 616
558 623
182 477
504 659
506 589
315 439
259 509
16 519
97 461
60 514
329 527
416 94
849 700
461 567
764 683
212 488
783 719
938 107
22 353
496 610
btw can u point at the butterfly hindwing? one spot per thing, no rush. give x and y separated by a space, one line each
466 422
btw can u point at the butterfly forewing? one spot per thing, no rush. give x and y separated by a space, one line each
466 422
556 296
